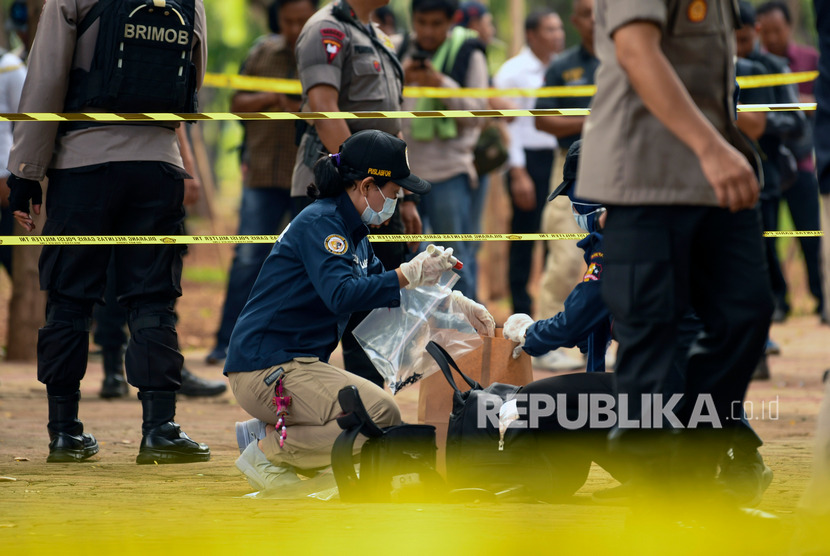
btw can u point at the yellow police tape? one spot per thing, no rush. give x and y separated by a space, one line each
105 117
293 86
376 238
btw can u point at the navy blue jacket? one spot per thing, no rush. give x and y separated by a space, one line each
586 320
320 271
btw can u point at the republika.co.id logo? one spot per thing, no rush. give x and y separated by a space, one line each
605 411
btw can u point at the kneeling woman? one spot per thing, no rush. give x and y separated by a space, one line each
321 270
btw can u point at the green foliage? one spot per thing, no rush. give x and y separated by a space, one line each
204 274
233 26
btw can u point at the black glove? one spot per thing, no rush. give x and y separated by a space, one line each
23 191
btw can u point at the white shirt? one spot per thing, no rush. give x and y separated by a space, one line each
12 75
524 71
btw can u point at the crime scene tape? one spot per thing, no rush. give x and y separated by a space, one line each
105 117
379 238
293 86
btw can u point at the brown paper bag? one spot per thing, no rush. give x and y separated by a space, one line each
492 362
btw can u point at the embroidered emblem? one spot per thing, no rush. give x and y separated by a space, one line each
573 74
336 244
377 65
697 11
332 42
594 272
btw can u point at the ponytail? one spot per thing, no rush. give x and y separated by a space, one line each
328 182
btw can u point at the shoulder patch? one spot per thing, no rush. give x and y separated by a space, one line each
594 272
336 244
332 42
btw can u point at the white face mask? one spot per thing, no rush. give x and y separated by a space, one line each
588 222
371 217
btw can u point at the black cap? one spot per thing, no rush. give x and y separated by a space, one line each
568 172
747 13
378 154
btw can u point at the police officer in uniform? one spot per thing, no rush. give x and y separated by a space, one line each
109 180
319 272
346 63
662 153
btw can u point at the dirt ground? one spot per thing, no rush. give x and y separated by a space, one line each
109 504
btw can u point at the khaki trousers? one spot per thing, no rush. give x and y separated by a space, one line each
312 426
564 264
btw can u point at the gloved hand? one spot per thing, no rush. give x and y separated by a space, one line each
515 329
23 191
426 268
476 313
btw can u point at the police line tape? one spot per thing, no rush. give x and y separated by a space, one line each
294 87
375 238
105 117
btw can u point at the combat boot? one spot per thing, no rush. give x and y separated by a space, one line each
67 440
163 441
114 385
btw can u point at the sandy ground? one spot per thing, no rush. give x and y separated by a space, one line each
109 503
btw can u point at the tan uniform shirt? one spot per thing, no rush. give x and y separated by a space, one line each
628 156
270 148
365 72
37 145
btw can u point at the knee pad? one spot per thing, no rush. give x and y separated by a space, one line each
63 344
150 316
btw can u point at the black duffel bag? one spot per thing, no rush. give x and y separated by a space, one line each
476 456
397 464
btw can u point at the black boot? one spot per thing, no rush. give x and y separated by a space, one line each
163 440
68 441
114 385
195 386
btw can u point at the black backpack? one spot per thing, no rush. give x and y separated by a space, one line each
142 61
397 464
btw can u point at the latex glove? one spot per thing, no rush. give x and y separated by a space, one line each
426 268
515 330
476 313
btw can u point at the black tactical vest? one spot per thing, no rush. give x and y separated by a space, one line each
142 60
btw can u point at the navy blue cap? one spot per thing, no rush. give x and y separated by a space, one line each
569 171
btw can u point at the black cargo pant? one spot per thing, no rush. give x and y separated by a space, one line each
659 262
116 198
539 167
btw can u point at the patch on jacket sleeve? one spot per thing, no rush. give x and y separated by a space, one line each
336 244
332 42
594 272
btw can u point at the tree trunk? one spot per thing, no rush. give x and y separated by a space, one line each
517 24
27 307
